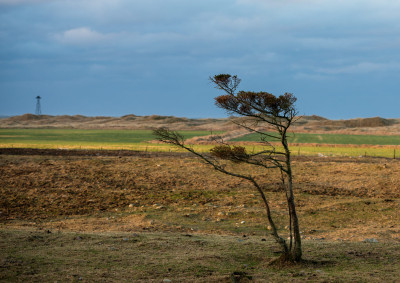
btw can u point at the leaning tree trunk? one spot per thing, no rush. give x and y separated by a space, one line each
262 108
295 252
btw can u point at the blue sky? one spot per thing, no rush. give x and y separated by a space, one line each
96 57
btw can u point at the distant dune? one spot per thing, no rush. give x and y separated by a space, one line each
317 124
374 125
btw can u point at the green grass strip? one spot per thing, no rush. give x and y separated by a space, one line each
83 138
138 140
332 139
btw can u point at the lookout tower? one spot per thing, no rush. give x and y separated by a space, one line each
38 108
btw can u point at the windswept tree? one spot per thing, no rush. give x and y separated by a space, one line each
270 117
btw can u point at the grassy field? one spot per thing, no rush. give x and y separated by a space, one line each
332 139
351 151
86 139
39 256
375 146
74 137
337 144
147 219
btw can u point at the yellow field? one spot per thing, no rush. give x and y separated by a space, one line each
297 150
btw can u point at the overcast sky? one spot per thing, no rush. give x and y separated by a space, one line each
341 58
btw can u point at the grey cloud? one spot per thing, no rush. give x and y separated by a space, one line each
20 2
360 68
299 45
81 36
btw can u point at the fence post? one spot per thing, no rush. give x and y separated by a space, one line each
394 153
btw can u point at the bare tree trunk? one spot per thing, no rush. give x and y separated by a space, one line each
258 108
296 250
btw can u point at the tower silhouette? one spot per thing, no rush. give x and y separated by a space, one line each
38 108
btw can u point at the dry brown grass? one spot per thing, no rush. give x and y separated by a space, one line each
181 193
124 122
307 124
148 218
